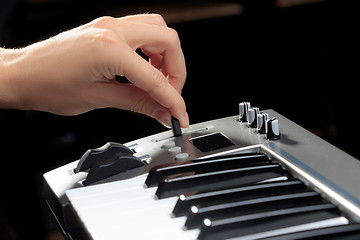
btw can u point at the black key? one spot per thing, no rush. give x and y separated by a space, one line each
211 181
266 222
242 208
342 232
240 155
156 175
267 189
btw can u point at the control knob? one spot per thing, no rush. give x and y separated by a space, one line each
243 111
261 122
273 132
252 114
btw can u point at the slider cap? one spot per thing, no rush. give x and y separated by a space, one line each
176 127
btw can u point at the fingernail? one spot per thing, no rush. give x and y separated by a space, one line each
164 118
186 120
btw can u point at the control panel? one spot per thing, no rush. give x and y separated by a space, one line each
252 131
117 159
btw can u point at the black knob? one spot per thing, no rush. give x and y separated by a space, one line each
273 132
103 153
243 111
112 166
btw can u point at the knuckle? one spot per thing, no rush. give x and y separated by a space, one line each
158 19
103 21
102 33
173 36
105 38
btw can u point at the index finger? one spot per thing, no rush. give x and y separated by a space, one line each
177 81
150 33
147 77
158 40
155 39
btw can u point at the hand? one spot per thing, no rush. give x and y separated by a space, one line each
74 72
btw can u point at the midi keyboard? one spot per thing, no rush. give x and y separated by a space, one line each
256 175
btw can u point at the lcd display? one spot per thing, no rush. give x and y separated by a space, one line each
211 142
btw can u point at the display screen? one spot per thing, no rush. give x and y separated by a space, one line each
211 142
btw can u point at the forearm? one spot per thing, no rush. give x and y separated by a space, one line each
25 78
9 74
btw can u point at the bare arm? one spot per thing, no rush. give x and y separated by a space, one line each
74 72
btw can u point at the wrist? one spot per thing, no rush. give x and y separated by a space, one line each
10 74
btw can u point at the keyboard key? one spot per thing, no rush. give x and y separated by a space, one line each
157 174
266 222
243 208
176 186
237 194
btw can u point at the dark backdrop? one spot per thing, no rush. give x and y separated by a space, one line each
302 61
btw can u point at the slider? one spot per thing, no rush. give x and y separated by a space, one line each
176 127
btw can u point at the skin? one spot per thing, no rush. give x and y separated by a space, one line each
74 72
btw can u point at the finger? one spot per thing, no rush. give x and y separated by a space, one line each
129 97
156 61
156 58
151 80
155 41
176 72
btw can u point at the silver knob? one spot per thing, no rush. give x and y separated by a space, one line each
252 114
243 111
273 132
261 122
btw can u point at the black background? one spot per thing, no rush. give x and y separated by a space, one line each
301 61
